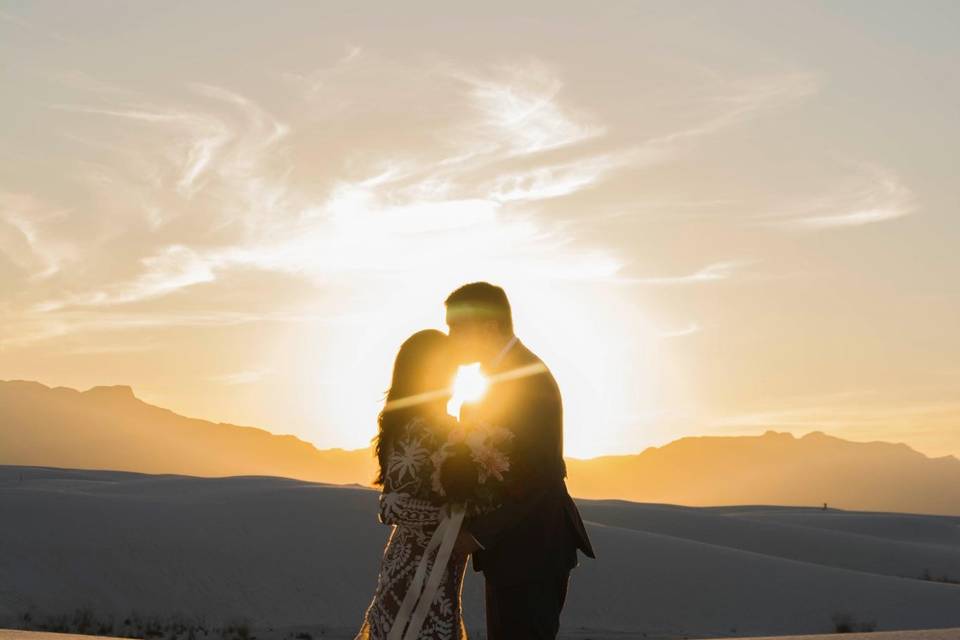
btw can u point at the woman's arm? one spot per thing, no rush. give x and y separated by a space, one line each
404 509
406 476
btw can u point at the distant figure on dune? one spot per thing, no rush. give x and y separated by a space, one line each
490 484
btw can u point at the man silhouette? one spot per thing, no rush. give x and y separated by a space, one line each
528 546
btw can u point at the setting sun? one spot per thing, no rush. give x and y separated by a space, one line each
469 386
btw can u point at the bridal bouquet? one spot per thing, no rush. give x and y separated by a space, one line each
469 467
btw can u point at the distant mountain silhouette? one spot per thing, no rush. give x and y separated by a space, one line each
776 468
109 428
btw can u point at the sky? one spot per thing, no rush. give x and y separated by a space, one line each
710 218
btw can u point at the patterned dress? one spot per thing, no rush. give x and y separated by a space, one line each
405 503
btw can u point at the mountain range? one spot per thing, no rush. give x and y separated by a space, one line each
110 428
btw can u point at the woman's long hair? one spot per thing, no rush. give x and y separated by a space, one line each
424 365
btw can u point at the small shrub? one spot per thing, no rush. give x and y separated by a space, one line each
844 622
237 631
926 575
82 620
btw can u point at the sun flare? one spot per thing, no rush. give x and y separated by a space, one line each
469 386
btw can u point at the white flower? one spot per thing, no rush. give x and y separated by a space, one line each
408 455
476 439
491 462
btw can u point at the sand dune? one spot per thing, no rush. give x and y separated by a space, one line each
923 529
927 634
292 554
825 546
930 634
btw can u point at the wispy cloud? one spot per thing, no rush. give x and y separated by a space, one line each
873 194
196 138
710 273
725 102
174 268
35 327
23 223
519 105
200 140
228 164
679 332
403 218
558 180
316 84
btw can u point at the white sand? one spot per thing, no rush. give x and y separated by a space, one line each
932 634
294 554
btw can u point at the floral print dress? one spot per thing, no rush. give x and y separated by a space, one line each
405 503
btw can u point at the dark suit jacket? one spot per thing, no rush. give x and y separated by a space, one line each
537 531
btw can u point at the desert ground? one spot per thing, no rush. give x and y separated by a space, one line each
274 557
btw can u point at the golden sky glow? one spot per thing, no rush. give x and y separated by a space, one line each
710 217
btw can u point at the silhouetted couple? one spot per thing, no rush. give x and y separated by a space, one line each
490 484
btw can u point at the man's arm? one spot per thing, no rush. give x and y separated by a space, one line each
486 529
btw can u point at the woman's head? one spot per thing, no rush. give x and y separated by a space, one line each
422 374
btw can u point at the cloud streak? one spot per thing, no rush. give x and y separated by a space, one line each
519 105
404 218
688 330
174 268
33 327
23 240
224 168
714 272
204 142
729 102
873 195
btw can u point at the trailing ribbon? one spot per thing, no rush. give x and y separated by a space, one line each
416 603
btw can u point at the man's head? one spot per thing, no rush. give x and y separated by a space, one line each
480 321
